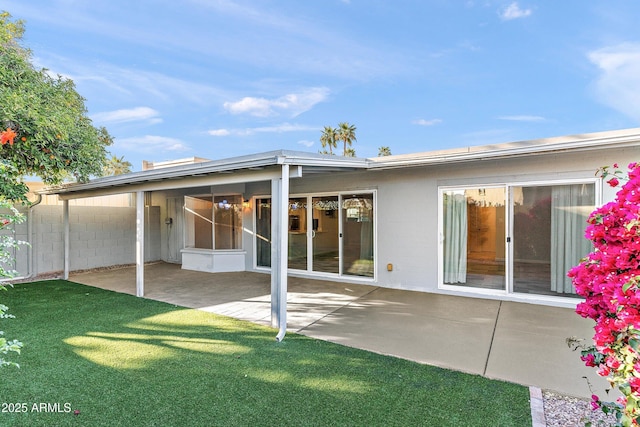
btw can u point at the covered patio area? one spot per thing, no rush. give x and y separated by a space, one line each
521 343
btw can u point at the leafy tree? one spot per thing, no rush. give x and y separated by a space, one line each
116 166
47 131
384 151
347 134
328 140
44 131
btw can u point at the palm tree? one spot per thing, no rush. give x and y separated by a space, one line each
328 140
347 134
116 166
350 152
384 151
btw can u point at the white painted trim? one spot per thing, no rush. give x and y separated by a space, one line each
65 221
282 258
140 243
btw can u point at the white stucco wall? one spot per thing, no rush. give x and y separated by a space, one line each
407 203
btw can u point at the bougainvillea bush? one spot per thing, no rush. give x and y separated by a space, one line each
609 280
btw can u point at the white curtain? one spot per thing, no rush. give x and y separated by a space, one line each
366 238
455 238
570 208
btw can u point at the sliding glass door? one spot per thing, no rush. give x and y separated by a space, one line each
514 238
331 234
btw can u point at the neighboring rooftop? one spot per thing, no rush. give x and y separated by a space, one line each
150 165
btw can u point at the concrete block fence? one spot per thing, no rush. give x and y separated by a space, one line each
99 236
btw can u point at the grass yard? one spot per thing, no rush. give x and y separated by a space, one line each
127 361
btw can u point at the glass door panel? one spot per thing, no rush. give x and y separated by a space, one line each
474 238
548 236
357 235
298 233
263 232
325 247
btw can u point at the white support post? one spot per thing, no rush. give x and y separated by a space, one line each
279 262
65 224
140 243
275 252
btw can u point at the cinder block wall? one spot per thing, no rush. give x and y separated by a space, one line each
99 236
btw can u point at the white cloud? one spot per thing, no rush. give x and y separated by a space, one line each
130 84
281 128
128 115
523 118
618 84
284 127
219 132
306 143
423 122
151 144
513 11
291 104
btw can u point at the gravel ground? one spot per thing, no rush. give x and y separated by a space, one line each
565 411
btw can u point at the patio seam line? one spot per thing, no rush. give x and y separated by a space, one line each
493 335
339 308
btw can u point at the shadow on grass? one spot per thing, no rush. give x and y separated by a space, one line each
122 360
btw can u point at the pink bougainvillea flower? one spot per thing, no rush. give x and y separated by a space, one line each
595 402
609 280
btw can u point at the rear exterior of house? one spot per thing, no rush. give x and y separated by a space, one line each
504 221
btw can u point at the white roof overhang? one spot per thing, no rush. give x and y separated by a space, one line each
574 143
258 167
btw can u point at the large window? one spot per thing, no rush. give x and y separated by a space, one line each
213 222
514 238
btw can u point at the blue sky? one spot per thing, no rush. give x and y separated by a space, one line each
221 78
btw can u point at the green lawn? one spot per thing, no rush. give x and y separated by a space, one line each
127 361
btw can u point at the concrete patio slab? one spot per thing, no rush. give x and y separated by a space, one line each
436 329
521 343
529 347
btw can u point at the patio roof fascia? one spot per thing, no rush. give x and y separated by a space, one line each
180 182
253 165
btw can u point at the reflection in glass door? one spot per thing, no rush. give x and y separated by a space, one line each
263 232
357 235
324 234
298 233
548 236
